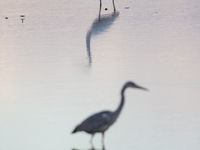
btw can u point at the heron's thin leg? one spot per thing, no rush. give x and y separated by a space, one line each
100 10
103 140
91 141
113 1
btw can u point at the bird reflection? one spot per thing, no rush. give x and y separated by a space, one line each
99 26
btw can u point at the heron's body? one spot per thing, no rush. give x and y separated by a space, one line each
100 122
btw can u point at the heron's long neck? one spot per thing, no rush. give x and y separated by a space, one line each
118 110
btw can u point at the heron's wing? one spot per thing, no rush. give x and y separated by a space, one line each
97 122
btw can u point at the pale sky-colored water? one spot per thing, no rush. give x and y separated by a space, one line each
47 86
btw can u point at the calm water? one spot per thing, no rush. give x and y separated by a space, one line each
63 64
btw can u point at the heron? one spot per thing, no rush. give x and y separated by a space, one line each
100 122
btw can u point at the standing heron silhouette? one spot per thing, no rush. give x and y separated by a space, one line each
100 122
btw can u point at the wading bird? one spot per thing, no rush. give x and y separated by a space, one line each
100 122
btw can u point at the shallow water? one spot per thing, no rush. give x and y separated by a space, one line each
53 75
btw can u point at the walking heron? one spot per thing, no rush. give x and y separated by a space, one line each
100 122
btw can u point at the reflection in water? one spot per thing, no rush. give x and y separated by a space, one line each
113 1
100 25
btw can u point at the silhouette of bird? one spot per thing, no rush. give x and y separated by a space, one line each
100 122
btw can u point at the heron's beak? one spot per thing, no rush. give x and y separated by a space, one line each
142 88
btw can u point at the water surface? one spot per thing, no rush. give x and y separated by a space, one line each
48 87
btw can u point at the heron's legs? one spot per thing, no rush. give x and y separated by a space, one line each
103 147
113 1
100 3
91 141
100 10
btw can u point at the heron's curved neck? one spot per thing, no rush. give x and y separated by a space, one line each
118 110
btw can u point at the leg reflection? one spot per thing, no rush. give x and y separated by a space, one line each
113 1
100 10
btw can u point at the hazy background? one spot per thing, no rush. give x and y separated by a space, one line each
47 86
